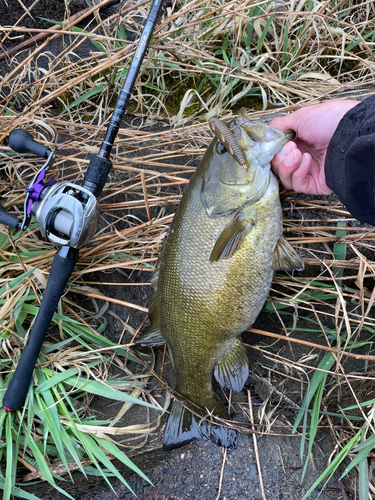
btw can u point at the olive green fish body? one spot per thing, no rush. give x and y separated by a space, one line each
215 271
212 302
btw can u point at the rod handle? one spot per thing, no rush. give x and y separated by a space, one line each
62 267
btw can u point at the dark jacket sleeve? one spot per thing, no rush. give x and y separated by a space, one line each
350 161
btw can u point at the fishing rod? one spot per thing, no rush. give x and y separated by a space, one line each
67 214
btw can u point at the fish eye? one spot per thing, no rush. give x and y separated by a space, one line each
221 149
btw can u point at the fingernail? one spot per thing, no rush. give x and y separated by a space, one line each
305 159
290 159
289 146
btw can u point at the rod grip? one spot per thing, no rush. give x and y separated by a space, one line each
96 174
62 267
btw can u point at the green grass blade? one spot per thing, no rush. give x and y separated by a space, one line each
230 87
363 482
16 281
356 42
10 473
206 74
362 451
48 398
332 467
105 391
43 467
17 492
339 252
121 33
316 387
30 415
2 420
97 90
91 471
314 423
249 33
112 448
90 447
50 450
4 240
264 33
100 455
55 347
64 407
54 430
285 42
354 407
303 437
55 379
325 364
70 446
224 48
77 30
96 339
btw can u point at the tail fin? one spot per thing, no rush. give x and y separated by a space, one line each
183 427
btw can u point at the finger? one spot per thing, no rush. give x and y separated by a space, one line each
309 178
289 121
281 155
287 168
303 177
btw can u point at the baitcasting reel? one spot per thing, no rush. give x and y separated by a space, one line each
67 214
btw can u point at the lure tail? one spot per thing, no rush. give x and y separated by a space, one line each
183 426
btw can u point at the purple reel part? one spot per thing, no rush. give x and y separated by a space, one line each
34 191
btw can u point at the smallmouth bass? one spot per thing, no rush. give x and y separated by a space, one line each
215 270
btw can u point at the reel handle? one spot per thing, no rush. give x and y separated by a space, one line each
8 219
22 142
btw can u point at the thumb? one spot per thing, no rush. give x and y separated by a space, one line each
285 122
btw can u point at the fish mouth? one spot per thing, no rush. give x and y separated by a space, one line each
243 127
256 130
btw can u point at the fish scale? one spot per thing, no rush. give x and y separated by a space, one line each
214 273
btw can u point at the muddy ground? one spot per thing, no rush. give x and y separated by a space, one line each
200 470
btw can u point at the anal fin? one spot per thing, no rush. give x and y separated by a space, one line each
232 370
285 258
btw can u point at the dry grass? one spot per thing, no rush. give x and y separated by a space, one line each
206 59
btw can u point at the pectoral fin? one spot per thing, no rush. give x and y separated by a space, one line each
230 239
285 258
233 370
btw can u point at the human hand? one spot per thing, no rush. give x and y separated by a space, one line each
300 164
